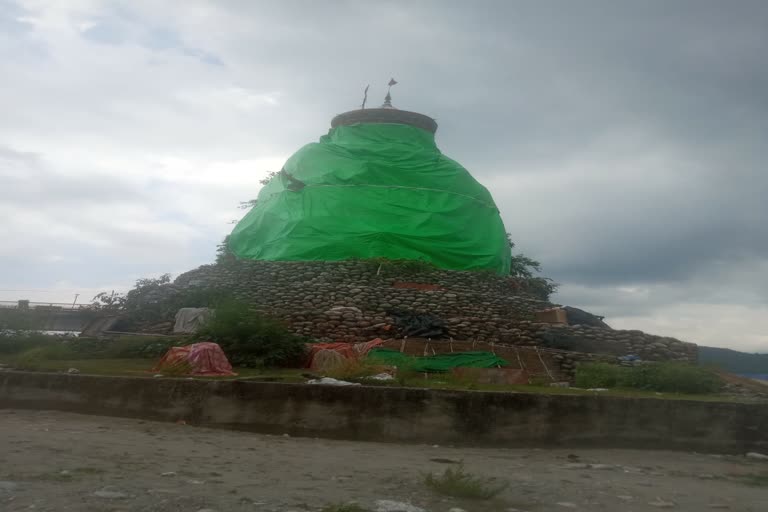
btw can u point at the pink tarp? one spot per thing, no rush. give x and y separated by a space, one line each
205 359
346 350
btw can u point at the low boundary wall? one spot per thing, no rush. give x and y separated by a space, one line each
402 414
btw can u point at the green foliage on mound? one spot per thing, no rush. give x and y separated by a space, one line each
663 377
250 339
155 299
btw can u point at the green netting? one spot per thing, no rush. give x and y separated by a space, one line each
440 363
375 190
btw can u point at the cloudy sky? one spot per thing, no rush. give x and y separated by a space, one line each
625 142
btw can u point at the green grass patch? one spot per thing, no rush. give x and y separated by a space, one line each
662 377
753 480
143 368
344 507
450 382
458 483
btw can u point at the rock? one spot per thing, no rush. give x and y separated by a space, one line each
757 456
110 494
566 504
601 466
660 503
7 486
168 473
576 465
396 506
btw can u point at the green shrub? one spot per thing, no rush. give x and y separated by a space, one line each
672 378
460 484
667 377
32 359
15 342
250 339
126 347
597 375
145 349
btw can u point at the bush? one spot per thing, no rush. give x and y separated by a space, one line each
250 339
126 347
597 375
672 378
154 300
460 484
60 348
663 377
15 342
32 359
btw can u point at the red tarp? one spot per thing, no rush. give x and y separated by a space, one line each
204 358
346 350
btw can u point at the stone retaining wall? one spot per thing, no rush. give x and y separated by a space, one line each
596 340
476 305
349 301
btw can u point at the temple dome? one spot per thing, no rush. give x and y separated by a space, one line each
376 186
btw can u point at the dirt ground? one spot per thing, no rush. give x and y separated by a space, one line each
51 461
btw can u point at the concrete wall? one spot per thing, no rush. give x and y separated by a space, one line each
403 414
44 319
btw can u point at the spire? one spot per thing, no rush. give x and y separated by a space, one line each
388 97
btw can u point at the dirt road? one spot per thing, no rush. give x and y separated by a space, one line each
52 461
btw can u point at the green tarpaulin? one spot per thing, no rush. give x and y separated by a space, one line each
435 364
375 190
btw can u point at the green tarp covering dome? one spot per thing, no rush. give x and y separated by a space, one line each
376 186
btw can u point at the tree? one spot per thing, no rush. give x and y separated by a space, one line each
224 254
246 205
521 265
525 269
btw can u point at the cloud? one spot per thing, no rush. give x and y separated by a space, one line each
624 143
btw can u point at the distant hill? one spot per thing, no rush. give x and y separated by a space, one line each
733 361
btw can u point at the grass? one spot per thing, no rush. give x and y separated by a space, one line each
142 368
664 377
754 479
137 355
135 367
353 369
458 483
450 382
344 507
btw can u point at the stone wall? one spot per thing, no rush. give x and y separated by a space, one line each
349 301
595 340
476 305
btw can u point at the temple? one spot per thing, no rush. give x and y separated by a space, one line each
376 186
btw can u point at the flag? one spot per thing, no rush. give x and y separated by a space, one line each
392 82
